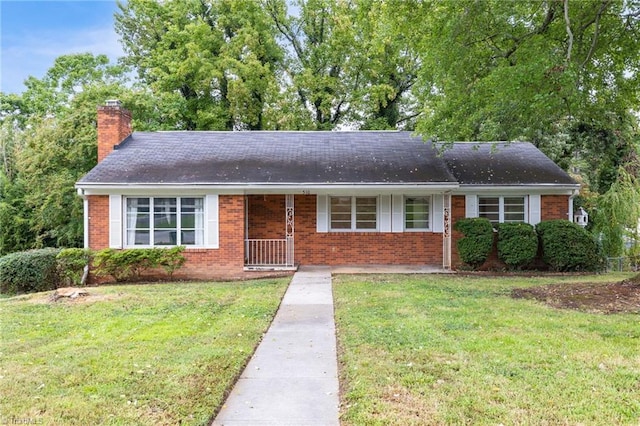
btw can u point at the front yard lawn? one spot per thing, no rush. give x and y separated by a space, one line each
434 349
139 354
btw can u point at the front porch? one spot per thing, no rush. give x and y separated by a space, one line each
265 249
282 231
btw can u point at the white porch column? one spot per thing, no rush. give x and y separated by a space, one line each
289 232
446 234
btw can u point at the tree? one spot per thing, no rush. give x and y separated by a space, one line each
49 142
220 56
389 63
616 213
556 73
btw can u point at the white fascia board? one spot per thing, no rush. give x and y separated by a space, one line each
517 189
261 188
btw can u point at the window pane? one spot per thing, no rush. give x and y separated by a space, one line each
137 213
366 208
416 212
192 221
188 237
341 212
514 209
164 238
489 207
138 238
164 213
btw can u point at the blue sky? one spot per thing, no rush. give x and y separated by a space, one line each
34 33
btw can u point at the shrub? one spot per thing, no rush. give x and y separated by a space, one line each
474 248
72 263
568 247
29 271
124 265
517 244
171 260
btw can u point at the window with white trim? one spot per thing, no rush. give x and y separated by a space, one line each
503 209
164 221
416 213
353 213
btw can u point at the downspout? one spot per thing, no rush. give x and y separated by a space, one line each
573 195
85 209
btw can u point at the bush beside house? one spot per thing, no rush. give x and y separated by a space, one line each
561 245
124 265
46 269
475 246
568 247
517 244
29 271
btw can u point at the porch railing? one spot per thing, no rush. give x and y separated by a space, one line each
268 253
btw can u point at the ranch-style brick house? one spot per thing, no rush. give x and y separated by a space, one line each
252 200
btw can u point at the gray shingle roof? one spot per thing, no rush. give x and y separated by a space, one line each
515 163
271 157
265 157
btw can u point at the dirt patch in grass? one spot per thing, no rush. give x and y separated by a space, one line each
607 298
85 296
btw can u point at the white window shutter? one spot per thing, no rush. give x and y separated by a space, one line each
534 209
385 213
212 222
115 221
397 213
471 205
322 213
437 213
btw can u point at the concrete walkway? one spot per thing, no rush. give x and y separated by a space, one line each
292 378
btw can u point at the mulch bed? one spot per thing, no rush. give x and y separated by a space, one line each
607 298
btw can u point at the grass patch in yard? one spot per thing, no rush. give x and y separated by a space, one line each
138 354
440 349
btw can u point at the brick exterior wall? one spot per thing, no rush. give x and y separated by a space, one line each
457 212
114 125
267 220
554 207
98 222
226 262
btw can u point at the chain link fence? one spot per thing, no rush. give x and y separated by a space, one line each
623 264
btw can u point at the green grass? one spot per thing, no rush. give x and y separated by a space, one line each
433 349
140 354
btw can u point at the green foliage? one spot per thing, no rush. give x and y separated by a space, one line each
500 70
128 264
517 244
29 271
72 263
474 248
568 247
616 214
220 56
171 259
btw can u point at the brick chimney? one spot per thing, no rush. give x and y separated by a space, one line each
114 125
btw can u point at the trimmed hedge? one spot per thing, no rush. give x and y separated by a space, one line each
474 248
128 264
568 247
29 271
517 244
72 263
